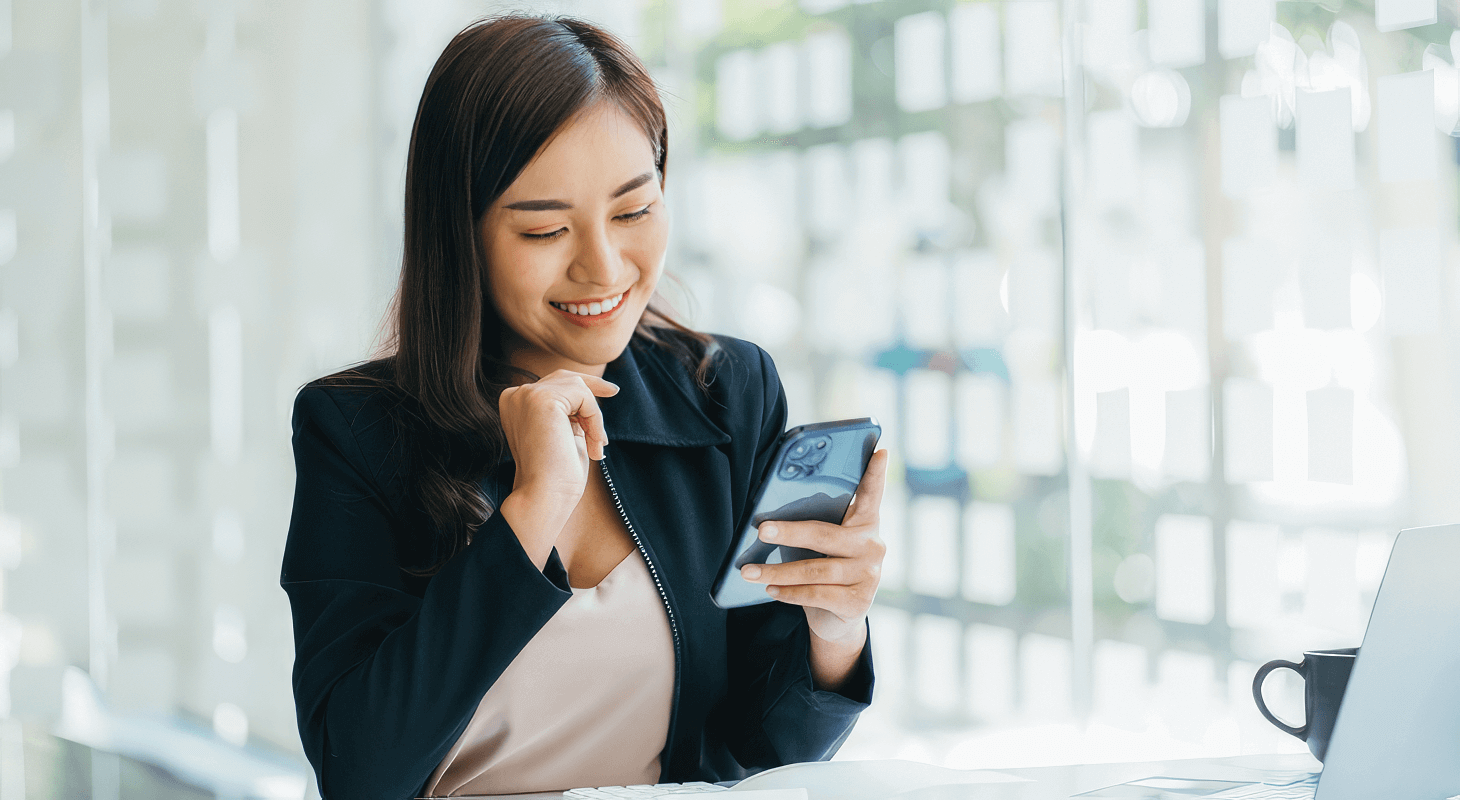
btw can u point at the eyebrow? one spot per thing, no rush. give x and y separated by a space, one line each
562 205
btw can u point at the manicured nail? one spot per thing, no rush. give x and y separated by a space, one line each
751 572
768 532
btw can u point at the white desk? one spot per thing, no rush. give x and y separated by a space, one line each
1058 783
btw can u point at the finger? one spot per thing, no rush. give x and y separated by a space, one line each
826 538
868 500
594 450
596 385
835 599
825 571
584 407
600 387
592 447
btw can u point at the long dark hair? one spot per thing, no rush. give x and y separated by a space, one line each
498 92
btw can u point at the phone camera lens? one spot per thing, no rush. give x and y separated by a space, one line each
820 443
800 449
790 471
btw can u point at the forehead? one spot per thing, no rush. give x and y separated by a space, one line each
592 154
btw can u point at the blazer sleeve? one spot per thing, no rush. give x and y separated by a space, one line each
385 680
786 719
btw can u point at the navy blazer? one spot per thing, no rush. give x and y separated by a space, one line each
389 667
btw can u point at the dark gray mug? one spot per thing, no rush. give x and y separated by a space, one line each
1325 676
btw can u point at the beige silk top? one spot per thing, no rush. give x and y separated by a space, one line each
586 702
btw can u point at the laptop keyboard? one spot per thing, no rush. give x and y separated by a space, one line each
642 791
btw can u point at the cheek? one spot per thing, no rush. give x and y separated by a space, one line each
518 272
650 247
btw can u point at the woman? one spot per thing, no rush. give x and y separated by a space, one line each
478 606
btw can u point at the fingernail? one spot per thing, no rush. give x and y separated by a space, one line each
768 532
772 590
751 572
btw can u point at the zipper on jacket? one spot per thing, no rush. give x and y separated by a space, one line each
668 609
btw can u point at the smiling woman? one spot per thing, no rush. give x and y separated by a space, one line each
497 208
572 241
481 603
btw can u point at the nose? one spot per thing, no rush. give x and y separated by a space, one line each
598 260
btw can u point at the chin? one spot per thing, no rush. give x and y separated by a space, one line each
606 347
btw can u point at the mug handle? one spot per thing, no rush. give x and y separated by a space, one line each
1262 673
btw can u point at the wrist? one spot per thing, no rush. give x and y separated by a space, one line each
537 520
852 641
546 494
544 501
834 660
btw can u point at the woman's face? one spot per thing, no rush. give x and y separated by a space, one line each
576 243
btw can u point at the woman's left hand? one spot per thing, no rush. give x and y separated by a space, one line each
837 590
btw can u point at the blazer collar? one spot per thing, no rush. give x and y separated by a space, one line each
657 403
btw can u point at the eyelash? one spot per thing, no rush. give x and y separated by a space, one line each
641 213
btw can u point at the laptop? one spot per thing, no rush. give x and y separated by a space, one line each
1397 734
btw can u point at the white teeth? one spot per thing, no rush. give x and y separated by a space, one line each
590 309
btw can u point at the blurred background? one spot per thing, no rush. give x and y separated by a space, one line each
1155 301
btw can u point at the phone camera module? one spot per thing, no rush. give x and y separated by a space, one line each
816 451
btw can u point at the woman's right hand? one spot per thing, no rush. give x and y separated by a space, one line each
553 428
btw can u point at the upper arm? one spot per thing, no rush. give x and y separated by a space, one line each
772 417
386 677
342 522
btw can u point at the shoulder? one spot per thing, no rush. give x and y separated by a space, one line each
742 354
741 393
357 412
746 377
735 367
360 397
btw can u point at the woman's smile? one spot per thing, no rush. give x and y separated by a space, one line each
591 313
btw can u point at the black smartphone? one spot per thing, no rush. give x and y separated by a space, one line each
816 470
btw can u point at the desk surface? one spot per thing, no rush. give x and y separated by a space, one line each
1058 783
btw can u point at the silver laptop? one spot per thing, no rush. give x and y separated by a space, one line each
1398 729
1397 734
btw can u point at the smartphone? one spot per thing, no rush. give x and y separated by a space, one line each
816 470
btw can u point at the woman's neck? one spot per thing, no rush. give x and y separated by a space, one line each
540 363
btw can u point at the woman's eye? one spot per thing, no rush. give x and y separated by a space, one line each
641 213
